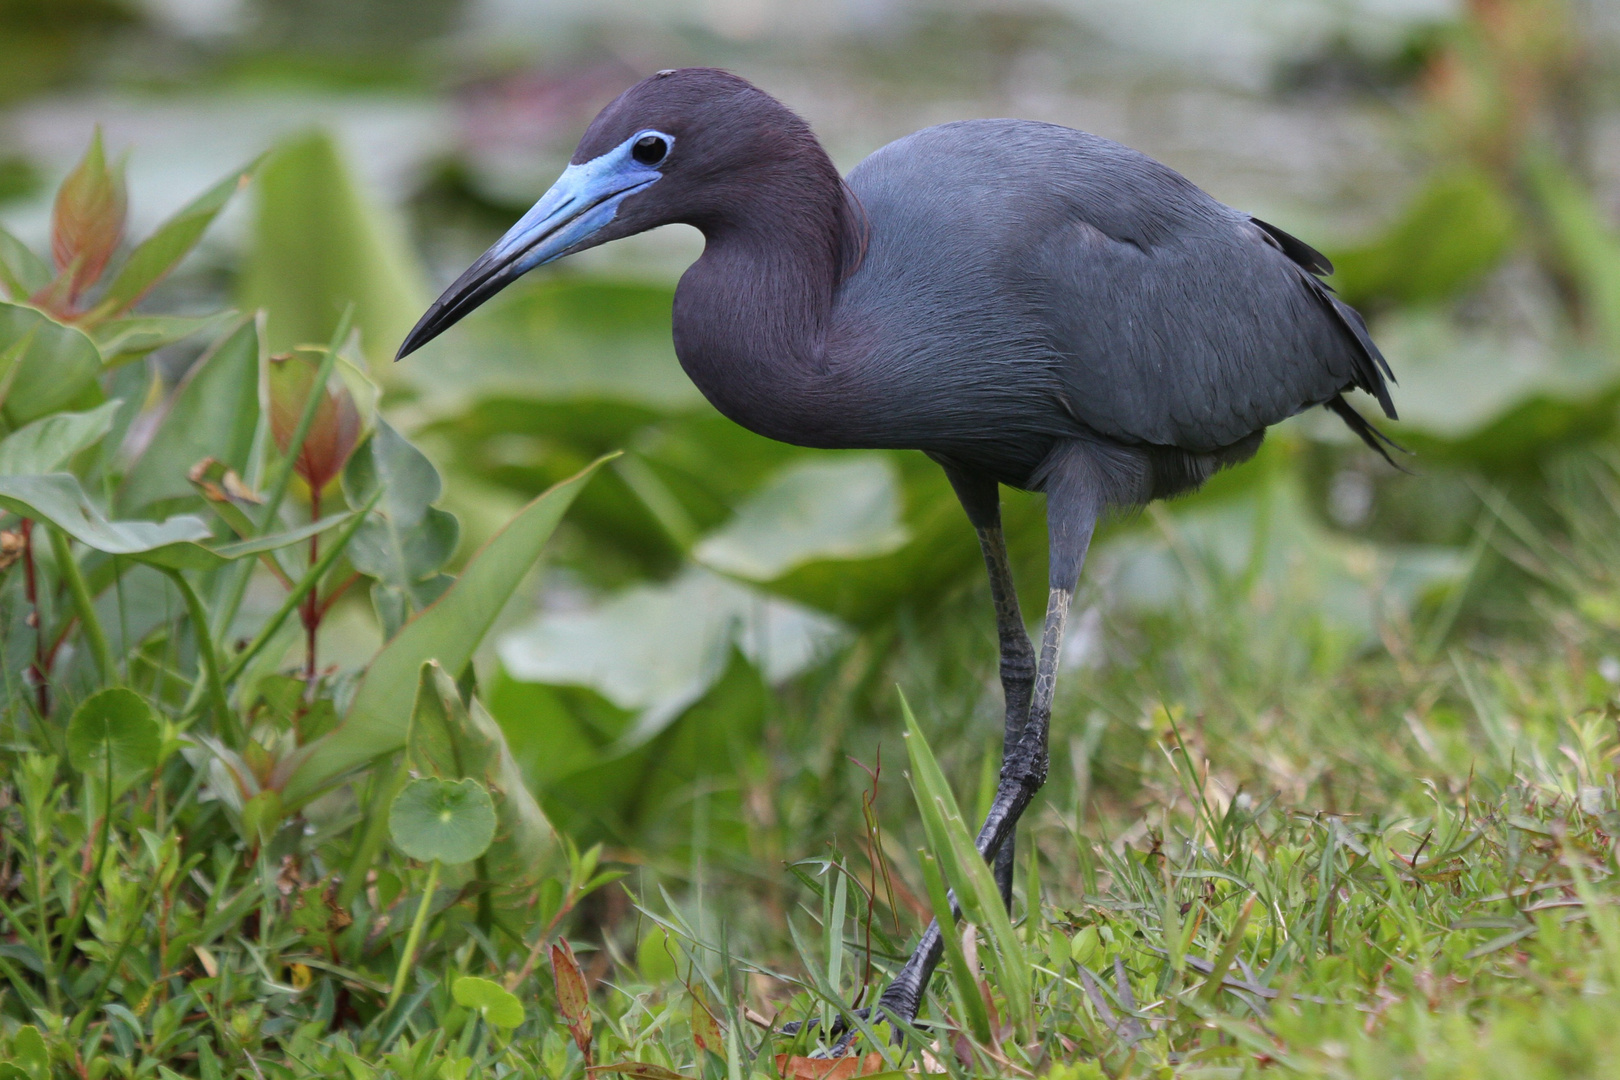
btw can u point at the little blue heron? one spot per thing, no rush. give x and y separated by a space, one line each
1027 304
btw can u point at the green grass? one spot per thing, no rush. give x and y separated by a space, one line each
1400 857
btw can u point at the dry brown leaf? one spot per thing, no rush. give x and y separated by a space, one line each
793 1067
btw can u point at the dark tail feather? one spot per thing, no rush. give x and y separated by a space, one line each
1374 375
1366 432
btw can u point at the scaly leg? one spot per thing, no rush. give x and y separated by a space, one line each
1071 515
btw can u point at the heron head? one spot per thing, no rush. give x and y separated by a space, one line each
676 147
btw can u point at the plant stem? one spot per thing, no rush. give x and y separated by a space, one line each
208 657
42 688
312 602
411 940
81 903
311 576
69 569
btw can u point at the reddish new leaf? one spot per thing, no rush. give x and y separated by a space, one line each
572 997
87 222
336 429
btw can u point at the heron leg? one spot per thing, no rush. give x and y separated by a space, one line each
1017 674
981 498
1071 515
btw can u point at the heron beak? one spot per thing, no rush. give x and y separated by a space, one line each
583 200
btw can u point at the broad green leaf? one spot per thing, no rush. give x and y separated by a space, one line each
407 541
1458 226
22 273
451 742
29 1047
50 442
562 339
212 414
176 542
113 728
656 649
321 242
126 339
449 631
1584 238
451 821
969 875
847 508
640 1070
499 1006
161 252
55 369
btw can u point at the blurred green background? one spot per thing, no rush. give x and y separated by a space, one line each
715 641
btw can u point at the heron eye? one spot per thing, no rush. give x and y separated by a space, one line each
649 150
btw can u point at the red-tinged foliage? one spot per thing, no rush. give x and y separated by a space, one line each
336 428
87 224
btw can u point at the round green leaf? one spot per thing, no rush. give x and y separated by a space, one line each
452 821
499 1006
115 726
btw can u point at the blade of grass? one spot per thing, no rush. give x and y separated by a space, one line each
976 889
967 991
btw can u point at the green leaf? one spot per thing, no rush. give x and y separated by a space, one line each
655 649
176 542
213 413
29 1047
50 442
408 541
449 741
499 1006
601 340
449 631
451 821
841 509
22 273
161 252
116 727
55 368
640 1070
320 242
123 340
1457 227
968 873
1584 239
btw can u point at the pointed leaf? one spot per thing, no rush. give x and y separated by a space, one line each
320 242
22 273
175 542
50 442
968 872
161 252
87 220
451 821
114 728
123 340
337 426
499 1006
212 414
54 369
449 631
573 998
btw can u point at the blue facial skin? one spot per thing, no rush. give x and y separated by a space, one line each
584 199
